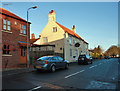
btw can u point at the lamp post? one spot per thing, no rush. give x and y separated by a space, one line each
28 36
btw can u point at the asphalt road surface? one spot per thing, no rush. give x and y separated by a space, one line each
102 74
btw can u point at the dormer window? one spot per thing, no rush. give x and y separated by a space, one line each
54 29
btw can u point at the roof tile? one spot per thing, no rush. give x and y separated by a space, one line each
4 11
70 32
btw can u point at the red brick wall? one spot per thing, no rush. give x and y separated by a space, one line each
12 40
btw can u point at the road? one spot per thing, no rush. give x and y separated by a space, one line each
102 74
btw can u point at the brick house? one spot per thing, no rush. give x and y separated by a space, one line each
14 39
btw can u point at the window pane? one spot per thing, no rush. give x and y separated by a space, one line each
45 40
4 22
71 52
8 51
8 22
4 27
75 40
4 51
21 28
43 58
55 58
24 51
4 46
61 59
15 23
24 29
70 41
54 29
21 51
8 47
8 27
39 48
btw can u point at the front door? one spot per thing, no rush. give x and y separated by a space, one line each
76 54
23 55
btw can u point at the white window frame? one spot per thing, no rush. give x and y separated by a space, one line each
86 46
8 25
70 52
45 40
70 40
75 41
80 43
24 29
54 29
4 24
21 28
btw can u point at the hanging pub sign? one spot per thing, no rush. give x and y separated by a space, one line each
77 45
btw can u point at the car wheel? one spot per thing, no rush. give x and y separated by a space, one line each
91 62
66 66
53 68
86 63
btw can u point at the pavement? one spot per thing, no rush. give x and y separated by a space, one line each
16 71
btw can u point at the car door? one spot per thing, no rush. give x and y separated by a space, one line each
88 58
62 63
56 62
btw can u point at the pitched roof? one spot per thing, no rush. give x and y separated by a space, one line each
10 14
70 32
33 40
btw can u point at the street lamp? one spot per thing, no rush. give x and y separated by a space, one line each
28 37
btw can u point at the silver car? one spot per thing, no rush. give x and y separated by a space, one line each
50 63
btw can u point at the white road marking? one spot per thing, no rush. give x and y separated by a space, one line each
92 66
35 88
74 74
100 85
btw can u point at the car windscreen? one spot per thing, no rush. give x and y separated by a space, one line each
43 58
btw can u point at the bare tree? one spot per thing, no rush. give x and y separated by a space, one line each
112 51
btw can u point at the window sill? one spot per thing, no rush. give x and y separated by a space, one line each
22 34
7 31
6 55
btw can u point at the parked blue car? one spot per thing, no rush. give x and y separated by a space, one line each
50 63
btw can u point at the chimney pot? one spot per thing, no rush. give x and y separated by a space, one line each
73 26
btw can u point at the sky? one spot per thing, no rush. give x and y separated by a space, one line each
95 22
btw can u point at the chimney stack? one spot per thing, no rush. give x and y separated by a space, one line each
33 36
73 29
52 16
